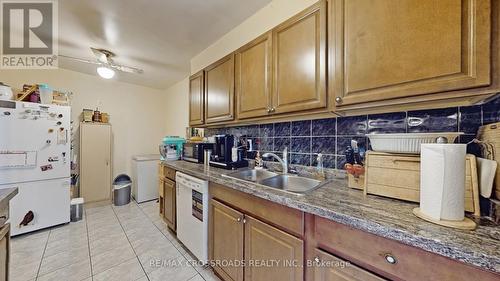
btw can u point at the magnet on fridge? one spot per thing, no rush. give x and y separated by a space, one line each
51 131
46 167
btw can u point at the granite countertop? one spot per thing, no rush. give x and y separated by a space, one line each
385 217
6 194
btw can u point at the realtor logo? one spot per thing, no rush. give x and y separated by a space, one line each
29 34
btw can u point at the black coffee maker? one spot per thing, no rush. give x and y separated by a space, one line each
221 155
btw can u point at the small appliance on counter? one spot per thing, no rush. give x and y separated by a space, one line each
171 148
225 155
194 151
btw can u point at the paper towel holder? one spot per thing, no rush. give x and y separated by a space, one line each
466 223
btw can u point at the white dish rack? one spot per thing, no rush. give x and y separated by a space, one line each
407 143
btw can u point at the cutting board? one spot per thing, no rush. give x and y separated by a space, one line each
490 134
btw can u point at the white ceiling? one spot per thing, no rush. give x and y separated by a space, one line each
159 36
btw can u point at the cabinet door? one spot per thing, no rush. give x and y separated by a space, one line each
389 49
219 90
299 53
331 268
264 243
196 105
226 241
169 203
253 78
4 252
161 195
95 162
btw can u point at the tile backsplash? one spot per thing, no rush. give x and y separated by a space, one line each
330 136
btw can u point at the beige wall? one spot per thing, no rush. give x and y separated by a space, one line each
137 113
177 108
262 21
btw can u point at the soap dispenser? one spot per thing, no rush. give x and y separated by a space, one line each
258 161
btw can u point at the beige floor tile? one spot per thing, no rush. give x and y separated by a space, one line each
26 256
197 278
62 259
159 255
108 243
74 272
175 271
208 274
111 258
65 244
127 271
150 242
23 272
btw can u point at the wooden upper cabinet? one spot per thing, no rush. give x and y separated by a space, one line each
389 49
299 61
219 90
196 103
226 240
266 243
253 77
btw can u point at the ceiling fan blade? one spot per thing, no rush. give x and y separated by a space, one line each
99 55
127 68
81 60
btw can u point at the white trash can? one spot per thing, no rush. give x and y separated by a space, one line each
76 210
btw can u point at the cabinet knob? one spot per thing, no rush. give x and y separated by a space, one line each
390 259
268 110
273 109
338 100
238 219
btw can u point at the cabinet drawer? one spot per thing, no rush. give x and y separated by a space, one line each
395 162
328 268
373 252
285 218
169 173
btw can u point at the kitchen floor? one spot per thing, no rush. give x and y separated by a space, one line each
111 243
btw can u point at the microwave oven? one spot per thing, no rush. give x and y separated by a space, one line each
193 151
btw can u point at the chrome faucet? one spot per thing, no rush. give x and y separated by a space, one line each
283 162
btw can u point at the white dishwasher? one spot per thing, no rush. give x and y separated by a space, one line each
192 214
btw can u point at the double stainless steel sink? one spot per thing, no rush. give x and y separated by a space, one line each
285 182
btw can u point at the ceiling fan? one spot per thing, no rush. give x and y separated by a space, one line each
107 67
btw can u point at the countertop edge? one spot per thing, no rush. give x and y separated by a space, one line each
434 246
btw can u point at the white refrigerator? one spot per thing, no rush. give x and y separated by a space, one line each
35 157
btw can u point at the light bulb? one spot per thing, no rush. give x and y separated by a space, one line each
105 72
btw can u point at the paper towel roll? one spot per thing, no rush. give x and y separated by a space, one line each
442 181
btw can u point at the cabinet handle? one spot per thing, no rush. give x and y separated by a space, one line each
390 259
338 100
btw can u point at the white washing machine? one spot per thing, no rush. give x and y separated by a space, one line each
145 177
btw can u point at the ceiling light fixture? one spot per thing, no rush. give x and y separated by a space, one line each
105 72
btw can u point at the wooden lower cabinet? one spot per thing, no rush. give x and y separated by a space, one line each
331 268
226 241
161 196
245 248
4 252
271 254
169 204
